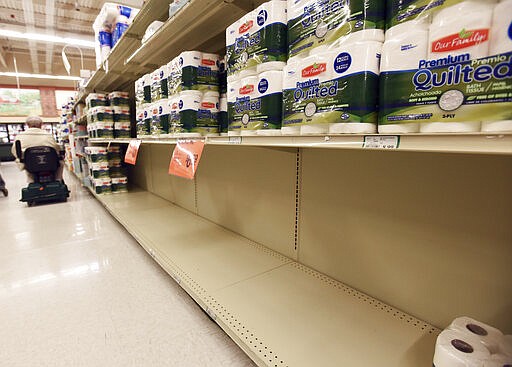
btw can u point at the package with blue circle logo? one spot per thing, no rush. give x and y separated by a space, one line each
332 92
446 67
193 70
160 117
314 23
255 104
258 37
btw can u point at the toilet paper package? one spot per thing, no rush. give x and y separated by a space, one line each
505 346
487 335
140 126
184 122
119 184
207 116
156 94
146 86
164 84
193 70
160 117
498 360
234 119
501 31
454 82
119 99
258 37
99 170
258 103
105 129
223 75
334 90
139 91
223 116
102 114
96 99
314 23
458 349
121 25
102 185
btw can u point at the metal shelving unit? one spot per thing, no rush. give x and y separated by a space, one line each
247 289
304 249
480 143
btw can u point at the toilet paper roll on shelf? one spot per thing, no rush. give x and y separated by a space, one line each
248 91
233 115
270 102
489 336
405 45
189 104
501 37
457 349
462 28
498 360
505 346
312 24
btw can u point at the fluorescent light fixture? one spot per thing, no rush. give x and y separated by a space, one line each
40 76
46 38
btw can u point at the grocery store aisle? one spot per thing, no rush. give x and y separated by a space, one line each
77 290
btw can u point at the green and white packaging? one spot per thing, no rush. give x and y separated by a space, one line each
96 99
193 70
99 170
188 103
164 84
314 23
160 117
258 37
333 92
458 80
207 115
119 99
223 115
119 184
256 107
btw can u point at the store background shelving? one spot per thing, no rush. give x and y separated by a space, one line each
315 255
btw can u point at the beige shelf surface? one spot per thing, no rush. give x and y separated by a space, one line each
280 312
478 143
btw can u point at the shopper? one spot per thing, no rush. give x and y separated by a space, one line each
34 136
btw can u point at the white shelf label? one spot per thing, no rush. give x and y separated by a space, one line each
235 140
381 142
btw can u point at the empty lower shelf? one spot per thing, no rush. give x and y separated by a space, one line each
278 311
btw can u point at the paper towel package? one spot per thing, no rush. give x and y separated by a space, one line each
207 115
457 81
184 123
314 23
258 37
457 349
333 91
489 336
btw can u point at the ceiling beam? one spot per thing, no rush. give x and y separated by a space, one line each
50 23
28 13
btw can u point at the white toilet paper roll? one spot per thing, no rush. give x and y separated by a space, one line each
211 61
497 126
498 360
248 89
412 127
460 29
363 35
501 31
252 71
190 58
268 66
406 44
457 349
505 346
450 127
489 336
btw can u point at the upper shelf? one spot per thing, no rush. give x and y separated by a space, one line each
205 22
477 143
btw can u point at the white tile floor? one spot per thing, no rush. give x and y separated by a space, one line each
77 290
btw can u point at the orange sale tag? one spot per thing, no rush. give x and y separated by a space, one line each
185 158
132 151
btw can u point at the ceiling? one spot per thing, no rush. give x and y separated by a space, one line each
65 18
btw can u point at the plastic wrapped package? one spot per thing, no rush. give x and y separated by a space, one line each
119 99
443 71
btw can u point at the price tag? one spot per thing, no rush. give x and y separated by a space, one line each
381 142
185 158
132 151
235 140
